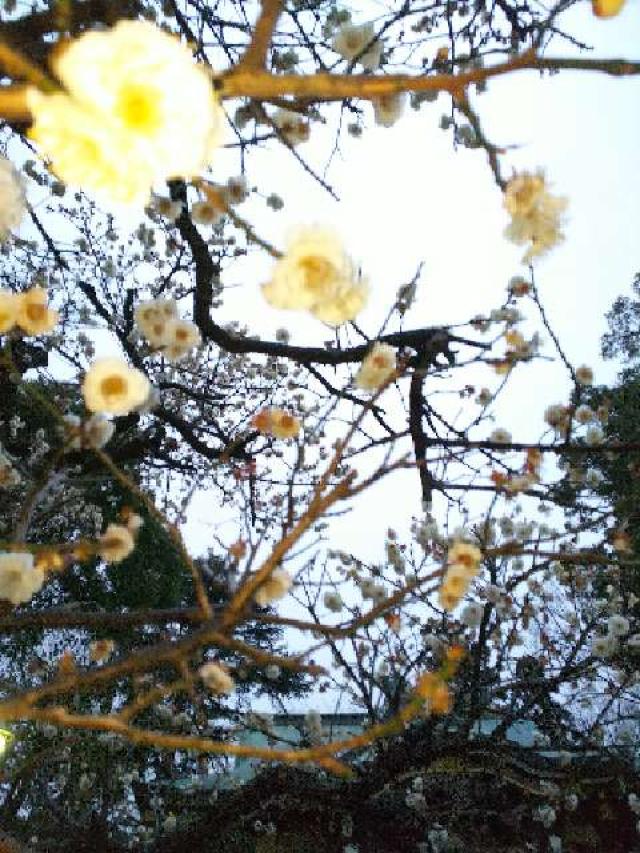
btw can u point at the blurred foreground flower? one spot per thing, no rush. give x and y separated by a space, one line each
138 110
316 274
19 578
607 8
463 562
34 315
27 310
116 543
275 587
113 387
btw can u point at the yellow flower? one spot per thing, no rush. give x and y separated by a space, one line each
455 584
465 555
216 677
101 650
116 543
607 8
34 315
138 110
181 337
276 586
435 693
8 310
317 275
276 422
378 366
112 386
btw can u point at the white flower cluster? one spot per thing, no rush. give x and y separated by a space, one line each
158 321
118 540
292 126
535 214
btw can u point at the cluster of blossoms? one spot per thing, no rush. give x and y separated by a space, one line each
118 540
377 368
114 388
463 562
275 587
12 198
28 311
617 628
315 274
359 43
216 678
20 578
276 422
535 214
513 484
123 122
518 349
158 321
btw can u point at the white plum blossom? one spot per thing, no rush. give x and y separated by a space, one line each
20 579
388 109
618 626
359 42
276 586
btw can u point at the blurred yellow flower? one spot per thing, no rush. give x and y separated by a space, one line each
116 543
276 422
607 8
34 315
8 310
113 387
138 110
216 677
276 586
